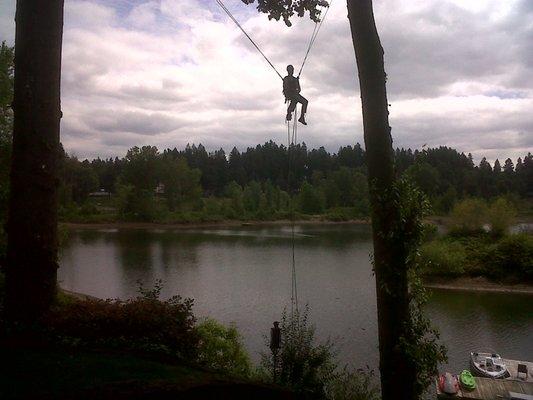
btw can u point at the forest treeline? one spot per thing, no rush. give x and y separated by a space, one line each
256 183
195 184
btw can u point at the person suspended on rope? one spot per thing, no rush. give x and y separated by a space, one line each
291 91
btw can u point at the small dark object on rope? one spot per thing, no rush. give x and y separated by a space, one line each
275 337
275 345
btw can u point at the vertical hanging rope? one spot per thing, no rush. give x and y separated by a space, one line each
290 152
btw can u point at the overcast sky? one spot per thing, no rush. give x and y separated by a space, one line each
172 72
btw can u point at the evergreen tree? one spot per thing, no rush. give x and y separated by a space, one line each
497 167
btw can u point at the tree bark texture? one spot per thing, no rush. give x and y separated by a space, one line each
397 373
32 217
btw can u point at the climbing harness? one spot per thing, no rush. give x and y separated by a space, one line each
316 30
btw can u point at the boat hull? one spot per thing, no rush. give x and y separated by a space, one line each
488 365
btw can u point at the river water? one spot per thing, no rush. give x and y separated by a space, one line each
242 275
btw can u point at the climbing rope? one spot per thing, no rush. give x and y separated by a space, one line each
219 2
314 35
291 140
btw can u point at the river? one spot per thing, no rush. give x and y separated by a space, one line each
242 275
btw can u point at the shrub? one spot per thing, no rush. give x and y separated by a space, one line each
352 385
220 348
469 215
512 255
443 258
301 364
310 369
143 324
500 216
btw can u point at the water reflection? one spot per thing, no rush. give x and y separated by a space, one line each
242 275
493 322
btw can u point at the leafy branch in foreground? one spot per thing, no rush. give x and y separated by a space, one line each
420 340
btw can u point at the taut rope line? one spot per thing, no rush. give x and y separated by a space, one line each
219 2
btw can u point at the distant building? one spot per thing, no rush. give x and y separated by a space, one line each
100 193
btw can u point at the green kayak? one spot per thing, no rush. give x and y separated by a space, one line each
467 380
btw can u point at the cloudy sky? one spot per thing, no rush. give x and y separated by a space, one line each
172 72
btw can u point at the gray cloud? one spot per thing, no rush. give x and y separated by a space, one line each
133 122
173 72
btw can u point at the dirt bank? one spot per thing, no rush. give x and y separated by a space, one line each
478 284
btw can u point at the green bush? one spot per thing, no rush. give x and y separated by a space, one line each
220 348
143 324
443 258
469 216
301 364
309 368
511 256
501 215
505 257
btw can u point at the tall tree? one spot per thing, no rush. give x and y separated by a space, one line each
390 264
32 222
497 167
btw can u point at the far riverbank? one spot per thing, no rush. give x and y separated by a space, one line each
207 224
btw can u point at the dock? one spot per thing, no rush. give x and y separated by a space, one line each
495 389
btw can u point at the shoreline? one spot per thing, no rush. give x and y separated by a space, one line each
228 223
207 224
466 285
478 284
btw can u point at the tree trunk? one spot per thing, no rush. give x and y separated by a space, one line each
397 373
32 222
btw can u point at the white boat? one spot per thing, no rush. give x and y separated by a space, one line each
489 365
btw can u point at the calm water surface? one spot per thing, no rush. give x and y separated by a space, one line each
242 275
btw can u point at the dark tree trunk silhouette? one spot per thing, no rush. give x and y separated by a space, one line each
32 222
397 373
